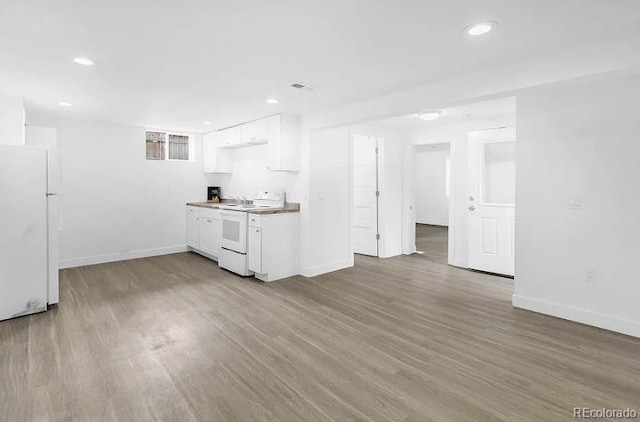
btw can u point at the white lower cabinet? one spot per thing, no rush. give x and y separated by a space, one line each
272 241
193 228
255 249
204 231
273 247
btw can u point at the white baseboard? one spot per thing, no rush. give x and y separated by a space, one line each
325 268
412 250
619 325
113 257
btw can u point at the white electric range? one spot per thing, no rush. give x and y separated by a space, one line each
233 254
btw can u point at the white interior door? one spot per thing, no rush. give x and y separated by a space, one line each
365 195
491 203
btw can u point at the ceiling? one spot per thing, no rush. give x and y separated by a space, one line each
483 115
173 64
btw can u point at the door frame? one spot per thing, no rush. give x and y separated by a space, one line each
408 249
379 177
476 187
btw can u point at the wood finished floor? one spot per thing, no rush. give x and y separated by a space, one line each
174 338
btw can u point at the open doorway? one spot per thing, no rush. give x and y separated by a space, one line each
432 193
458 179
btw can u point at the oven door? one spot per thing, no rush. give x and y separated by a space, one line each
234 231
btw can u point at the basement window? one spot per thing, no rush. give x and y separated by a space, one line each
169 146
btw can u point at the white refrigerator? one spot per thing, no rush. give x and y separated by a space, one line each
30 224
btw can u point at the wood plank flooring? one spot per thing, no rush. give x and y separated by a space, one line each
175 338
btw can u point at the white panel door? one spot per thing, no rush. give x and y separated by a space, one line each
491 202
23 231
365 200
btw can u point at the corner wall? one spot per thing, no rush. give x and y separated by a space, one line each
326 240
578 143
118 205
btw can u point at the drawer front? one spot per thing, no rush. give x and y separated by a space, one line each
210 213
255 220
193 211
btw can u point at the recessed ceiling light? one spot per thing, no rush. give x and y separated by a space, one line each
84 61
64 104
480 28
272 101
207 123
431 115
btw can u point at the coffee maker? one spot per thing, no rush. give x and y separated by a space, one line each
213 194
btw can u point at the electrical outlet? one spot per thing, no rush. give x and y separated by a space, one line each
590 276
575 204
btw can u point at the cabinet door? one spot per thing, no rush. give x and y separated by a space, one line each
215 160
255 132
274 127
193 230
255 250
216 232
231 136
207 235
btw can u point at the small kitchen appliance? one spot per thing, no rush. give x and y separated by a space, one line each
213 194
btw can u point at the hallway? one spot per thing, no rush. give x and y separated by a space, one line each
433 241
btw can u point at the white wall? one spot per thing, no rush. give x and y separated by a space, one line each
579 142
11 121
250 174
327 242
432 202
117 204
480 85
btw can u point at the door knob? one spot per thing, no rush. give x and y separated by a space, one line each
472 208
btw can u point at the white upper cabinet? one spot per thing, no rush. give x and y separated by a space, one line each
284 143
256 132
215 160
230 137
281 133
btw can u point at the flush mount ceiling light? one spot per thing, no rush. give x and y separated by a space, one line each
64 104
480 28
272 101
430 115
84 61
207 123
